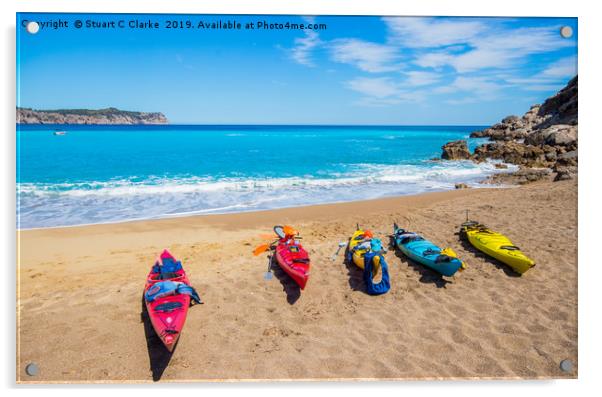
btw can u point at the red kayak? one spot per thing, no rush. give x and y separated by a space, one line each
291 256
168 313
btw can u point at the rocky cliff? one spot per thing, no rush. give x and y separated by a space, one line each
544 137
86 116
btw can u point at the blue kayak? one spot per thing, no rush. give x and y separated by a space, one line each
426 253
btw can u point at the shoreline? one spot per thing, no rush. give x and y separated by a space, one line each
300 207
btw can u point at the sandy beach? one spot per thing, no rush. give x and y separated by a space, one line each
81 317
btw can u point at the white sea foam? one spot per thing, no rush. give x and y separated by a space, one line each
47 205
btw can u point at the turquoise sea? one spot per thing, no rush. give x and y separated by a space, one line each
98 174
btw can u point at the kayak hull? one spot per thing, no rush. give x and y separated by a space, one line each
169 324
493 243
168 314
294 260
428 254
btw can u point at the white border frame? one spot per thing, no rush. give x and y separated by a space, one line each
590 66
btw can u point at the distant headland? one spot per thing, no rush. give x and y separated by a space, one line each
88 116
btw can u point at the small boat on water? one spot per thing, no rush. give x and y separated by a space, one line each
60 133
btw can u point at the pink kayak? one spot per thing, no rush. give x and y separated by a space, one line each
292 257
168 313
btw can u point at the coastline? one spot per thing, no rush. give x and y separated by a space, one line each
85 284
309 207
107 116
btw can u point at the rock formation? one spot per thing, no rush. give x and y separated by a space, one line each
86 116
544 137
521 177
456 150
517 153
557 115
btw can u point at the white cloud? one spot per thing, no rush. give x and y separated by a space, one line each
304 46
421 32
478 88
367 56
537 79
505 48
412 96
470 44
543 87
551 78
462 101
433 59
402 97
383 91
565 67
380 87
482 57
420 78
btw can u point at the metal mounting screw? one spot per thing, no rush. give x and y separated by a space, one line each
32 369
32 27
566 365
566 32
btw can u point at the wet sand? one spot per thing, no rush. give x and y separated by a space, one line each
81 317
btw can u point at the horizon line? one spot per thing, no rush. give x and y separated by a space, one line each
260 125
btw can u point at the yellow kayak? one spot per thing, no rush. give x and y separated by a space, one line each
497 246
357 254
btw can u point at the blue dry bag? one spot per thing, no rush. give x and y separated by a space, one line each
384 285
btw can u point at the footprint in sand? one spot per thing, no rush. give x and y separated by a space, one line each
279 331
270 341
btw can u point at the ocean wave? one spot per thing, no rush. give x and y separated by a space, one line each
72 203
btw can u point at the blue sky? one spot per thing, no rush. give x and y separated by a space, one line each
359 70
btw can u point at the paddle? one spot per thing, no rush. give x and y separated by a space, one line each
268 275
261 248
468 222
341 245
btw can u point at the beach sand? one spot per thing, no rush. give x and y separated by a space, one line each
81 315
